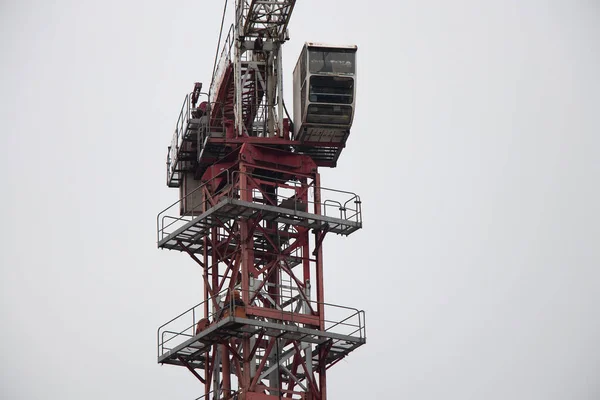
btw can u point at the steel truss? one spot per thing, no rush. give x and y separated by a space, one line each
257 232
255 225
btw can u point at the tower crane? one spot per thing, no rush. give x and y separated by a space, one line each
253 215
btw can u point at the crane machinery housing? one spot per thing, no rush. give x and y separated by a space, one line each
253 215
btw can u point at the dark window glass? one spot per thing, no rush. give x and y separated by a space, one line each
329 114
331 89
339 61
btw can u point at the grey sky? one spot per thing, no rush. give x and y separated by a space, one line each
474 149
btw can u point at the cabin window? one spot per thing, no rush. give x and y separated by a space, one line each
331 89
337 61
329 114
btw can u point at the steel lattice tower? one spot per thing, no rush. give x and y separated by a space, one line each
253 215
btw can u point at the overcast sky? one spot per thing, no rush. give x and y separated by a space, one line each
475 149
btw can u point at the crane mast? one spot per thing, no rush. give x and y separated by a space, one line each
253 215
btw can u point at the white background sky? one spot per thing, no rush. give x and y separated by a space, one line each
474 149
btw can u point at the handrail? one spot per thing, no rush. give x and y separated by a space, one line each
334 203
177 140
206 129
160 335
223 59
326 204
160 227
181 129
327 201
351 323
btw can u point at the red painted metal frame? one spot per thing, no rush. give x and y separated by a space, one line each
230 257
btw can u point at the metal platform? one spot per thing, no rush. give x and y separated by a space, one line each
190 232
191 350
323 156
324 145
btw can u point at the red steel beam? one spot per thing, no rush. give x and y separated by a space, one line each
192 370
282 315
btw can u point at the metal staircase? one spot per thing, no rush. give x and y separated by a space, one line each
181 154
253 91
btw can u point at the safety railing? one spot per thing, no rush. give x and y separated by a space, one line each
183 326
214 125
296 196
282 309
224 60
174 166
268 191
177 140
190 206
